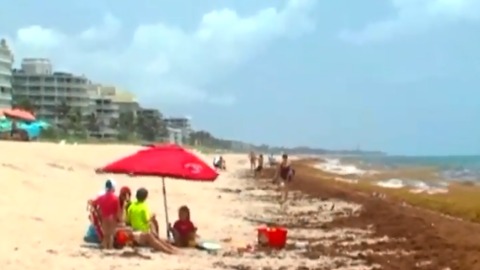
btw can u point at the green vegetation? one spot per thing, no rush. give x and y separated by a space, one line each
205 140
73 125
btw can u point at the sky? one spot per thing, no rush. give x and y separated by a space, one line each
395 75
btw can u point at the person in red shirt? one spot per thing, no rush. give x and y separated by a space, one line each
108 206
184 231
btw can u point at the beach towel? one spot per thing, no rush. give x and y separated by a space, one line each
91 235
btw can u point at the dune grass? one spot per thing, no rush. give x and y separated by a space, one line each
462 201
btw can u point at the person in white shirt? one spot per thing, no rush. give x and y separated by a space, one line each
219 163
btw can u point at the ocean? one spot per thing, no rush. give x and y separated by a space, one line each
446 168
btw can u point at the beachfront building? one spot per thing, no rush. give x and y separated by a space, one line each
126 101
6 62
105 111
37 82
175 135
180 123
149 113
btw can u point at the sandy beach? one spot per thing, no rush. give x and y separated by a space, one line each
331 225
45 188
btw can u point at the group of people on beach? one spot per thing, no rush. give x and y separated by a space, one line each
284 172
119 221
284 168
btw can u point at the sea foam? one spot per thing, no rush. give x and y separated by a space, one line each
336 167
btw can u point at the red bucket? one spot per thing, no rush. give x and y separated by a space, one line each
274 237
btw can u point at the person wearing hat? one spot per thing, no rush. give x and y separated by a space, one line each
110 212
109 185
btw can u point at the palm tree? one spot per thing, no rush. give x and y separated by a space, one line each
92 123
24 104
126 125
75 122
62 111
148 127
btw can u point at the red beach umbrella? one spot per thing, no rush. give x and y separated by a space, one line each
19 114
165 160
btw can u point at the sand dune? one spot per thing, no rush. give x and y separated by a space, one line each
45 187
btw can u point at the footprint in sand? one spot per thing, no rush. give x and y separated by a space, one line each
54 165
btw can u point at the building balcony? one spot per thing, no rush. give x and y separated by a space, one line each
48 93
5 71
5 58
106 106
104 132
5 96
53 84
107 115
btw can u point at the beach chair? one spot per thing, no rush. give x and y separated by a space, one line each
121 238
94 217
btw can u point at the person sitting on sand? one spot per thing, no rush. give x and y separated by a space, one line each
258 170
144 239
217 162
105 188
138 214
140 219
124 199
184 231
108 206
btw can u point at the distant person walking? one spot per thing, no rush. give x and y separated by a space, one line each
259 168
286 173
253 161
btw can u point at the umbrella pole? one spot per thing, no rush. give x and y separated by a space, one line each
165 206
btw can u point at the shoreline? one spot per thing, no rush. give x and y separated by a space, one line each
458 199
430 238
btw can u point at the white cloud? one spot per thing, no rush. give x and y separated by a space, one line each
414 16
163 63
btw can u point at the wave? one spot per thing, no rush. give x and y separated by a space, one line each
414 186
336 167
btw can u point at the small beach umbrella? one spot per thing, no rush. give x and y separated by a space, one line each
19 114
166 160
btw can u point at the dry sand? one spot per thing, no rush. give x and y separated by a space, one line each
43 204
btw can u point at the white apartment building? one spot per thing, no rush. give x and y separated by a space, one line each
126 101
37 81
182 124
105 110
6 62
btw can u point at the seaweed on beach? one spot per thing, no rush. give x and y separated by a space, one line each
405 237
